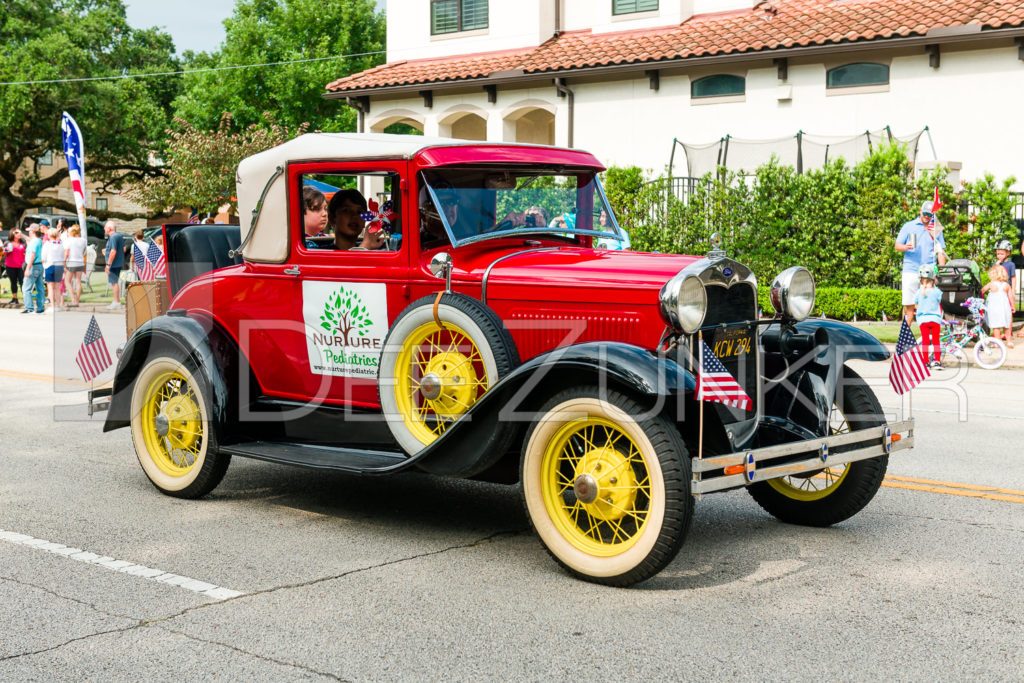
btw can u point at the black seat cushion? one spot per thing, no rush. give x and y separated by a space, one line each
197 249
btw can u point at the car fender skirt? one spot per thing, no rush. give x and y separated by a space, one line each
196 340
516 398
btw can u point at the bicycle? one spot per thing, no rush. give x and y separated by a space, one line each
955 335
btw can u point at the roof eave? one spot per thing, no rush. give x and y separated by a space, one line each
502 78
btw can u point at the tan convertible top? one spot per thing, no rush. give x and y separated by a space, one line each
269 240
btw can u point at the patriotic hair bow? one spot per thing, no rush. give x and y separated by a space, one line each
378 218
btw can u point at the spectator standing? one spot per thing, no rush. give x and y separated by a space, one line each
34 271
1003 248
74 261
929 315
997 304
14 262
113 253
921 243
53 268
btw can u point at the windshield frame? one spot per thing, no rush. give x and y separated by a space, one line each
615 232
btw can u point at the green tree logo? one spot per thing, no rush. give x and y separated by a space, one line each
345 314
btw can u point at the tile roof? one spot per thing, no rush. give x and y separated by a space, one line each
770 25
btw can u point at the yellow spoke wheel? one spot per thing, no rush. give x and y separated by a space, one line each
170 424
606 485
440 374
820 484
596 486
441 356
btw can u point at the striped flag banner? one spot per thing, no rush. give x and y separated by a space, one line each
93 356
715 384
157 260
909 367
74 152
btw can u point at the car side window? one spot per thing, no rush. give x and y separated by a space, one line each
351 212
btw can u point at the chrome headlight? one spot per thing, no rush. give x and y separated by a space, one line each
684 302
792 293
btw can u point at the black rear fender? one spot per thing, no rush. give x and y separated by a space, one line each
202 343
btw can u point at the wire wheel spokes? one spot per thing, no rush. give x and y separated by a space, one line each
447 375
175 423
599 485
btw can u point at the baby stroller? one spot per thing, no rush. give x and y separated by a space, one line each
958 280
955 335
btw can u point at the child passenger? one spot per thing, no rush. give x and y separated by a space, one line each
929 315
999 303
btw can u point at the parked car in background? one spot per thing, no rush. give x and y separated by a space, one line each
94 228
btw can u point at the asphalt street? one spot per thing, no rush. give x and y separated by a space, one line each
292 574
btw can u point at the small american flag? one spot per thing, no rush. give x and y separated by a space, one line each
193 217
908 367
151 264
715 384
93 357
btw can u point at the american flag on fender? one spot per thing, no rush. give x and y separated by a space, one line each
908 366
715 384
93 357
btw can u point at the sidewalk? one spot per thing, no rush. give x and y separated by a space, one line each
1014 356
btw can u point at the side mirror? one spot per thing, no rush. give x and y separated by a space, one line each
441 267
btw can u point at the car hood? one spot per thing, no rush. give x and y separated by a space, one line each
570 274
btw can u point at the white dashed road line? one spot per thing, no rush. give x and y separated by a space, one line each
130 568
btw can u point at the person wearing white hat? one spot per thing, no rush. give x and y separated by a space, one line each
921 243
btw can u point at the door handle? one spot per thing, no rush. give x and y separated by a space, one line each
294 270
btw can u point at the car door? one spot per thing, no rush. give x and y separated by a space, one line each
321 317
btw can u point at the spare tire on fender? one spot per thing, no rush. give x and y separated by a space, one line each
440 356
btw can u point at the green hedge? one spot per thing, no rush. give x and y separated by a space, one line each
840 221
845 303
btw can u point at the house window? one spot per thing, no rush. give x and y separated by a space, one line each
633 6
101 204
452 16
718 85
46 159
860 73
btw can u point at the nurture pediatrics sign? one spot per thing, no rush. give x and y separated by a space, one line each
346 323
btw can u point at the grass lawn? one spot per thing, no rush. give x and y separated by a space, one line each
884 332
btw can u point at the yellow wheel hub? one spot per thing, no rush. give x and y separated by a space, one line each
449 384
439 375
172 424
596 486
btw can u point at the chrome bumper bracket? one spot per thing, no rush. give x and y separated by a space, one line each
747 467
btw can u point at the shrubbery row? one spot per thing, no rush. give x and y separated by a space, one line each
839 221
847 303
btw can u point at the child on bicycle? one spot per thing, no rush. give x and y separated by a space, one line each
999 303
929 314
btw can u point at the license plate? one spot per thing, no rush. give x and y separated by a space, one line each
733 342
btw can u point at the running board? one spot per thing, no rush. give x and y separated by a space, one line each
356 460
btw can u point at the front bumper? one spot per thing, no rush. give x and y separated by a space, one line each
801 457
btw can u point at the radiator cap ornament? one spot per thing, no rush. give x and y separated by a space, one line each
716 247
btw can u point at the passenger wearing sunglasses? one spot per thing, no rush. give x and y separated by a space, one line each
921 243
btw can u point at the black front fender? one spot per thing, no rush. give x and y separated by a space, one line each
801 390
196 341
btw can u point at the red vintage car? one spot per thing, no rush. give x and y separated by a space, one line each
468 309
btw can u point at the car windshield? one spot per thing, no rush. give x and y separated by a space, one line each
482 203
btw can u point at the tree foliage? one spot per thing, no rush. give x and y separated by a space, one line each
840 221
122 121
264 31
200 165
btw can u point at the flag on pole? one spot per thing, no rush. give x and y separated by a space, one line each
74 152
936 202
715 384
93 357
139 257
909 367
193 218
